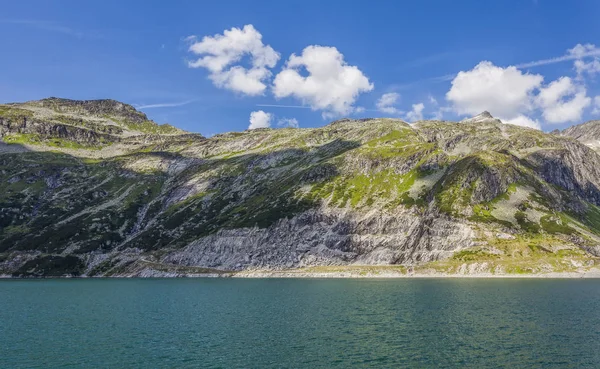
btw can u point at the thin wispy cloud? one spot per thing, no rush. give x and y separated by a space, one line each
445 77
165 105
559 59
438 79
443 57
45 26
283 106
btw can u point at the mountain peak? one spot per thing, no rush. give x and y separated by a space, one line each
77 123
483 116
95 107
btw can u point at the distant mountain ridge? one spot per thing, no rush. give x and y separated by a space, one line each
587 133
94 188
66 124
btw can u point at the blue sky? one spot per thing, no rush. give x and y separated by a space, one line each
411 60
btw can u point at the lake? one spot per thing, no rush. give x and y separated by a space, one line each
300 323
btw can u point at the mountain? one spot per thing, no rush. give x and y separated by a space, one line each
587 133
481 117
93 188
108 127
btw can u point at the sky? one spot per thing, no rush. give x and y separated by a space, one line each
220 66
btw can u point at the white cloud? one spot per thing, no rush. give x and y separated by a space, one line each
592 67
387 101
416 113
562 101
240 79
288 122
505 92
555 91
596 110
331 85
260 119
165 105
523 121
568 111
219 53
580 52
513 95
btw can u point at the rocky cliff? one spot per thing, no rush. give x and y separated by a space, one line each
587 133
94 188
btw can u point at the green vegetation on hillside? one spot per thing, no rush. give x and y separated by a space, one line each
376 190
35 139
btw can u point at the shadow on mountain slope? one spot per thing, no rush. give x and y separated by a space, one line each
54 202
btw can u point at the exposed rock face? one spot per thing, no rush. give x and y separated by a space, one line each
329 237
29 126
66 123
95 108
572 167
124 196
479 118
587 133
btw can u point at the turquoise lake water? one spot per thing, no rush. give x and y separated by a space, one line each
299 323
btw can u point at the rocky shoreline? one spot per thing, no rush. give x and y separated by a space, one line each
299 273
561 275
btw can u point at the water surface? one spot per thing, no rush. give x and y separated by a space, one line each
299 323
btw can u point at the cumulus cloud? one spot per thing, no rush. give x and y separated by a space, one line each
568 111
555 91
504 92
518 97
511 94
260 119
562 101
416 113
220 53
592 65
288 122
331 85
387 101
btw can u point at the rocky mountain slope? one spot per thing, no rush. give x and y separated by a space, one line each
587 133
93 188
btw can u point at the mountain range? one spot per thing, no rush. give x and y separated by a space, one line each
95 188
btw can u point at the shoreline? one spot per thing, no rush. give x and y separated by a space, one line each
591 274
299 274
